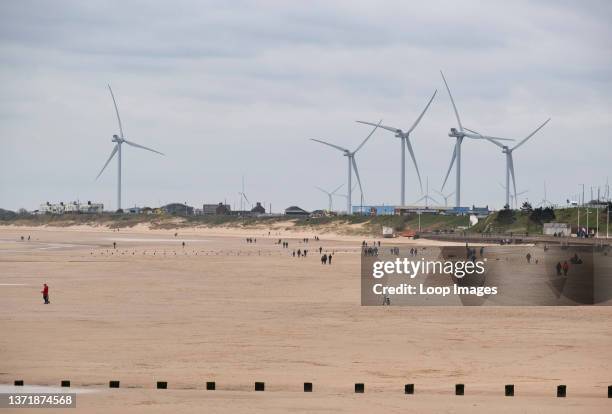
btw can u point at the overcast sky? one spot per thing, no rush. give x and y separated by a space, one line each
232 88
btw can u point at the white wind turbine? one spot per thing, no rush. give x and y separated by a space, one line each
514 197
445 197
119 140
427 197
330 194
405 142
545 201
509 161
458 135
351 164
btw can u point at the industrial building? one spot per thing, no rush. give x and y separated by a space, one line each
295 211
385 210
218 209
178 209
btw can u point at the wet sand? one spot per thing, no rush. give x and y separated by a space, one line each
227 311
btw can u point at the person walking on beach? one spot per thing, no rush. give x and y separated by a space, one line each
329 259
324 259
565 268
528 257
45 293
559 268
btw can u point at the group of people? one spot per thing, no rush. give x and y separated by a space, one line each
251 240
326 259
370 251
300 253
365 243
562 267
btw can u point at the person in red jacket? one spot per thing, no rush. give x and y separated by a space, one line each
45 293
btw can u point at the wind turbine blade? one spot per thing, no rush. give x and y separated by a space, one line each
368 137
416 167
339 187
451 194
331 145
512 173
501 185
487 137
357 174
478 135
245 197
452 101
422 113
530 135
133 144
319 188
492 141
420 199
439 192
450 166
116 111
388 128
112 154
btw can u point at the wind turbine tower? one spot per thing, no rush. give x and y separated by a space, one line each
458 135
350 155
330 195
120 140
404 137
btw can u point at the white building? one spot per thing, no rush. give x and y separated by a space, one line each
74 207
559 229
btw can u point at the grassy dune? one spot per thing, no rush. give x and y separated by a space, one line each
499 222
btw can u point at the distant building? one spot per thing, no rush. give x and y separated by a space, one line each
178 209
219 209
559 229
134 210
72 208
295 211
318 213
258 209
374 210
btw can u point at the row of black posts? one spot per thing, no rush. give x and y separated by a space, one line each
359 387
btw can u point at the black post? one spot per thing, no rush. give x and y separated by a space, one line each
259 386
19 383
113 384
509 390
409 389
561 391
459 389
359 388
65 383
210 385
162 385
308 387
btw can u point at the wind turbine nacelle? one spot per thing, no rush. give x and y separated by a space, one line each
453 132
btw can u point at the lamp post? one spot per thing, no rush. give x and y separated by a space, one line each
587 228
608 220
597 225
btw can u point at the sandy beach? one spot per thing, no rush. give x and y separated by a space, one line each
219 309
